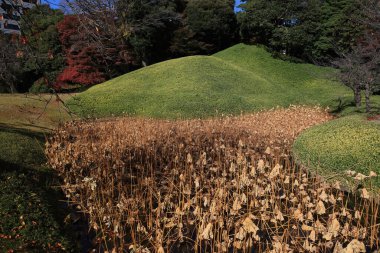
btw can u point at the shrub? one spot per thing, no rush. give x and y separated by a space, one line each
39 86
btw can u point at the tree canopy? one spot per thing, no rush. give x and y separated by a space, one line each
43 56
312 30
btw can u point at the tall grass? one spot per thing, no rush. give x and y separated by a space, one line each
221 185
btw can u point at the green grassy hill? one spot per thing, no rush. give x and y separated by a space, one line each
239 79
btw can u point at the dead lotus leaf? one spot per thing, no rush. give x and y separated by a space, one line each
327 236
319 226
355 246
372 174
306 227
249 226
207 233
298 215
364 193
320 208
275 172
279 215
189 158
310 216
360 177
312 235
334 227
241 234
323 196
338 248
160 250
237 205
260 164
358 215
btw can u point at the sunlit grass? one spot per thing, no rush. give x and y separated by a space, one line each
347 143
242 78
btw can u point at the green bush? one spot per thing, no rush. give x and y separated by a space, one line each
39 86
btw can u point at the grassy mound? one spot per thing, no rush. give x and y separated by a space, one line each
240 79
348 143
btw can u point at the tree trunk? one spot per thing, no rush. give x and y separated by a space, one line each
12 87
367 99
358 97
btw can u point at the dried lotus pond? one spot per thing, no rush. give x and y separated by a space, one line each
220 185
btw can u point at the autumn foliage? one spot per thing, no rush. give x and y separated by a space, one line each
220 185
81 54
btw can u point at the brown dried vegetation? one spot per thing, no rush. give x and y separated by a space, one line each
220 185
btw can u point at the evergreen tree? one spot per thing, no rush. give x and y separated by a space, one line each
10 63
42 52
339 30
148 26
208 26
313 30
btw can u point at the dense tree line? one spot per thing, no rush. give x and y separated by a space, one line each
36 56
102 39
312 30
344 33
160 30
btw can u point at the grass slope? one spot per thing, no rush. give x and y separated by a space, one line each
240 79
347 143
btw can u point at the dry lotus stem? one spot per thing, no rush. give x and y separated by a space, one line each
220 185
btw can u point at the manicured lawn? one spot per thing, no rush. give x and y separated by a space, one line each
37 113
31 204
347 143
240 79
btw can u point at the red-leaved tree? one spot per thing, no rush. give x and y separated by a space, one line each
81 56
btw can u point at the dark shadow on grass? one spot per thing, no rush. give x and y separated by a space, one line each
342 104
31 194
8 128
33 190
